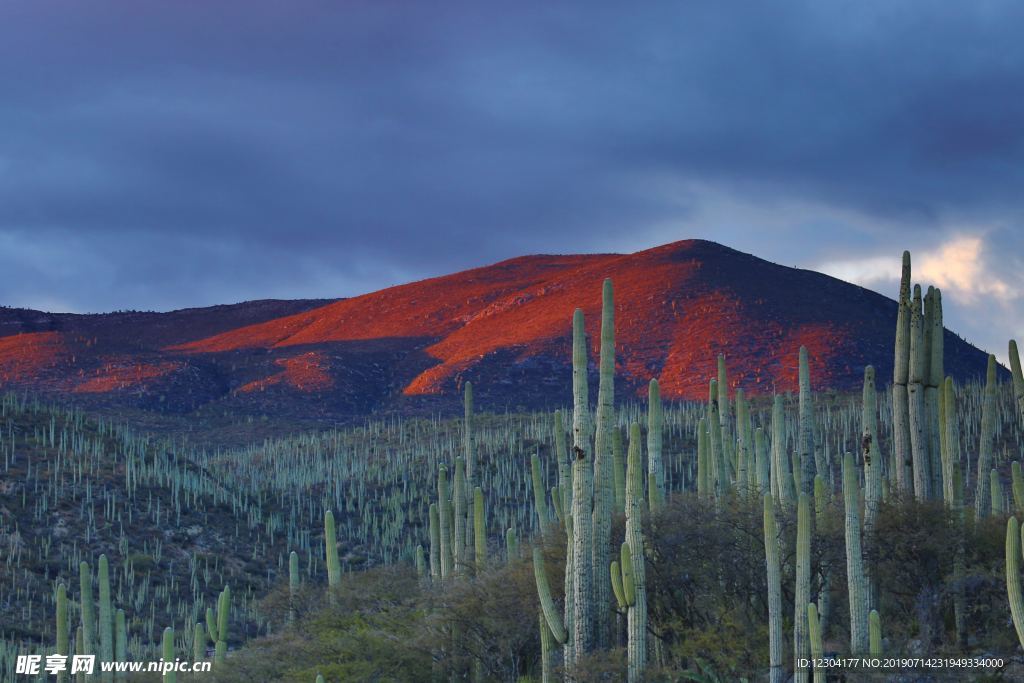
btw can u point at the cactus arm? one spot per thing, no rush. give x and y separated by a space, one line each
547 603
1013 591
874 634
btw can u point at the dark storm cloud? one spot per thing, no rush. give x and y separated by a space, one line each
155 155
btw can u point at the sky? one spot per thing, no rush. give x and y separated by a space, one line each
159 155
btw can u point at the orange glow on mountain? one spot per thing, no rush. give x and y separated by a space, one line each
25 356
124 373
677 308
307 372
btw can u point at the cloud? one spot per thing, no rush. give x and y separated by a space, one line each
981 286
959 266
170 154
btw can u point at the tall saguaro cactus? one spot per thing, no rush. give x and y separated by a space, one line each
604 479
435 542
774 570
655 468
168 654
444 515
637 615
805 442
479 529
856 580
933 383
469 453
62 629
293 585
915 394
88 609
106 623
1013 591
331 551
782 480
459 515
1018 378
988 434
802 593
724 415
901 378
582 497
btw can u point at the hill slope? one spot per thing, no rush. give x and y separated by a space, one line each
504 326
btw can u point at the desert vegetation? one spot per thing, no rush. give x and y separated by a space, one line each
725 539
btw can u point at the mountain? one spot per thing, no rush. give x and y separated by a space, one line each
505 326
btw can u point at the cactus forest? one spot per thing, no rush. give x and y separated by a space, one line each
759 538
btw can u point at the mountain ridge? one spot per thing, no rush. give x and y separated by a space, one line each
506 326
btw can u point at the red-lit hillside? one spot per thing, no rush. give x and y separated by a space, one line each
505 326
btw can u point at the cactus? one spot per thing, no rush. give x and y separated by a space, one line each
805 440
655 468
619 469
718 473
420 562
1013 592
637 616
724 416
479 529
582 499
468 453
564 466
1017 486
444 516
547 603
168 653
331 548
106 624
459 517
511 544
998 498
952 472
934 347
604 480
539 500
223 615
817 649
821 506
435 543
774 571
320 678
62 628
87 609
872 458
870 452
855 577
763 473
80 650
915 397
293 584
802 593
545 649
703 466
988 434
211 625
745 465
198 643
1018 378
874 634
782 480
901 378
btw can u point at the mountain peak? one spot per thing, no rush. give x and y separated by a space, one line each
506 326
